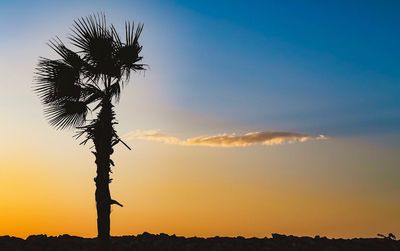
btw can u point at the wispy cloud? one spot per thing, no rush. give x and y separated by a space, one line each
225 139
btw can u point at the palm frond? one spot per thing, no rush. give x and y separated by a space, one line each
96 41
116 37
91 94
128 53
115 91
67 113
70 57
56 80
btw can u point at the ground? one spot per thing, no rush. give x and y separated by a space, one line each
166 242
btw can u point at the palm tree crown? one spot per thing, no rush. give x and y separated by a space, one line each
103 63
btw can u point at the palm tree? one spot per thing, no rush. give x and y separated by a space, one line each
91 79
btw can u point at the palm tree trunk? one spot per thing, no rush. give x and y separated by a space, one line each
102 140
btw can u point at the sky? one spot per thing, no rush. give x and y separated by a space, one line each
254 117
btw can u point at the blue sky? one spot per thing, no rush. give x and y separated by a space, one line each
317 67
312 66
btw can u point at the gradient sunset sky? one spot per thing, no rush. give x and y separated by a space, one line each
223 76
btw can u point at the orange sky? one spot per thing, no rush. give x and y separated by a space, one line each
205 191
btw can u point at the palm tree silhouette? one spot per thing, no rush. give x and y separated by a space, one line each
91 80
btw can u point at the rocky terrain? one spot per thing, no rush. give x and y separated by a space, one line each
165 242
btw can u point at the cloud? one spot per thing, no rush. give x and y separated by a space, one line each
226 140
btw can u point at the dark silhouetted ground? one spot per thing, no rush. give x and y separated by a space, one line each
152 242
